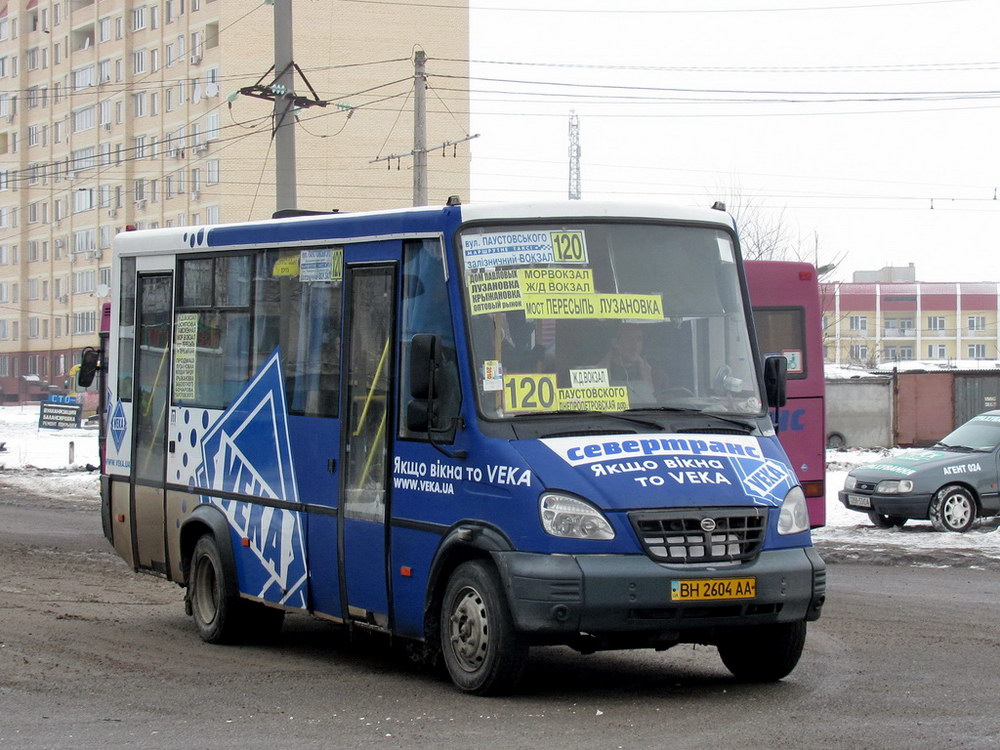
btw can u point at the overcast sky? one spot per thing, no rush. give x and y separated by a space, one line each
866 127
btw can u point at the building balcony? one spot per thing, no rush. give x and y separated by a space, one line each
899 333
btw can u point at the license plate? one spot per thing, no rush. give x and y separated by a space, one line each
859 501
712 589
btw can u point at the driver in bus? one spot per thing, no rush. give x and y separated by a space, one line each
627 366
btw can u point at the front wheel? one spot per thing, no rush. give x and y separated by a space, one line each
887 522
482 651
763 653
953 509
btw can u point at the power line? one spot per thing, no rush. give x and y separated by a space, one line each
661 11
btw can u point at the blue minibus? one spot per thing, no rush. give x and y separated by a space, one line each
475 429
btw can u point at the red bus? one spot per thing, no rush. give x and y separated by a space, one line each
788 320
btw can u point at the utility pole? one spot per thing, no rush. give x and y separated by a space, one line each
574 156
284 103
420 128
420 150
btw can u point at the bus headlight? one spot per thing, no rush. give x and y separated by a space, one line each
567 516
894 487
794 515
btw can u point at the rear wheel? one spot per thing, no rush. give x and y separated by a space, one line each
887 522
482 651
763 653
220 616
953 509
214 610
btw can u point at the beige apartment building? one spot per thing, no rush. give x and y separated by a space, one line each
118 114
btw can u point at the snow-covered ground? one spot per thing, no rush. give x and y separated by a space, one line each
41 460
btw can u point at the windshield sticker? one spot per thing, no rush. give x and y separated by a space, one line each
185 356
324 264
502 291
556 280
525 393
492 375
594 306
285 267
493 292
608 398
498 249
538 393
589 377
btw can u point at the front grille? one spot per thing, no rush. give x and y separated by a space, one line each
695 536
865 486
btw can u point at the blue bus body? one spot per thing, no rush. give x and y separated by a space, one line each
400 421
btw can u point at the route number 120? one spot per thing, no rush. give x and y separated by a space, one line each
569 247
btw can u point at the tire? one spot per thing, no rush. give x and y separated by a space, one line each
483 653
763 653
214 609
836 440
886 522
953 508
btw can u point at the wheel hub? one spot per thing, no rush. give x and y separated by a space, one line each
956 511
469 630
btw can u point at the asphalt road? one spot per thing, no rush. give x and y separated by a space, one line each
95 656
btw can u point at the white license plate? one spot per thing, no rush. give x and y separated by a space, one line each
859 501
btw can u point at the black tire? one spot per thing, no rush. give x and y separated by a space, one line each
887 522
763 653
483 653
953 508
215 610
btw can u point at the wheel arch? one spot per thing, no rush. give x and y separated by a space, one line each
464 542
965 486
207 519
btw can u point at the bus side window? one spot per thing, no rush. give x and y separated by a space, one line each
302 315
212 330
427 309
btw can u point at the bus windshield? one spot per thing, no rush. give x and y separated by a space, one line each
606 317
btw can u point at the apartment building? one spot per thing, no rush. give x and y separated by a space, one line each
868 324
118 114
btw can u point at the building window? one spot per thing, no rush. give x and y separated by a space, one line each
937 351
977 322
977 351
139 18
859 323
859 353
935 322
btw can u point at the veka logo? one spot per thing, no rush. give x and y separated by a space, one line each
118 426
247 452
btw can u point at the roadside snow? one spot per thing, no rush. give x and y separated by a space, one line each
38 460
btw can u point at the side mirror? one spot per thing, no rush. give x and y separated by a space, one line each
775 380
90 362
425 358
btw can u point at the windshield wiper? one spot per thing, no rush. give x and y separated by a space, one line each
687 410
583 412
959 448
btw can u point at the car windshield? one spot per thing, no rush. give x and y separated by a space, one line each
981 433
607 317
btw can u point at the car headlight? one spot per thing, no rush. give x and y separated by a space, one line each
851 482
567 516
894 487
794 515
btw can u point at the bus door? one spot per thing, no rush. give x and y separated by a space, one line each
366 435
150 399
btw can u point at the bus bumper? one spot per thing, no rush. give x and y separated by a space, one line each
621 594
